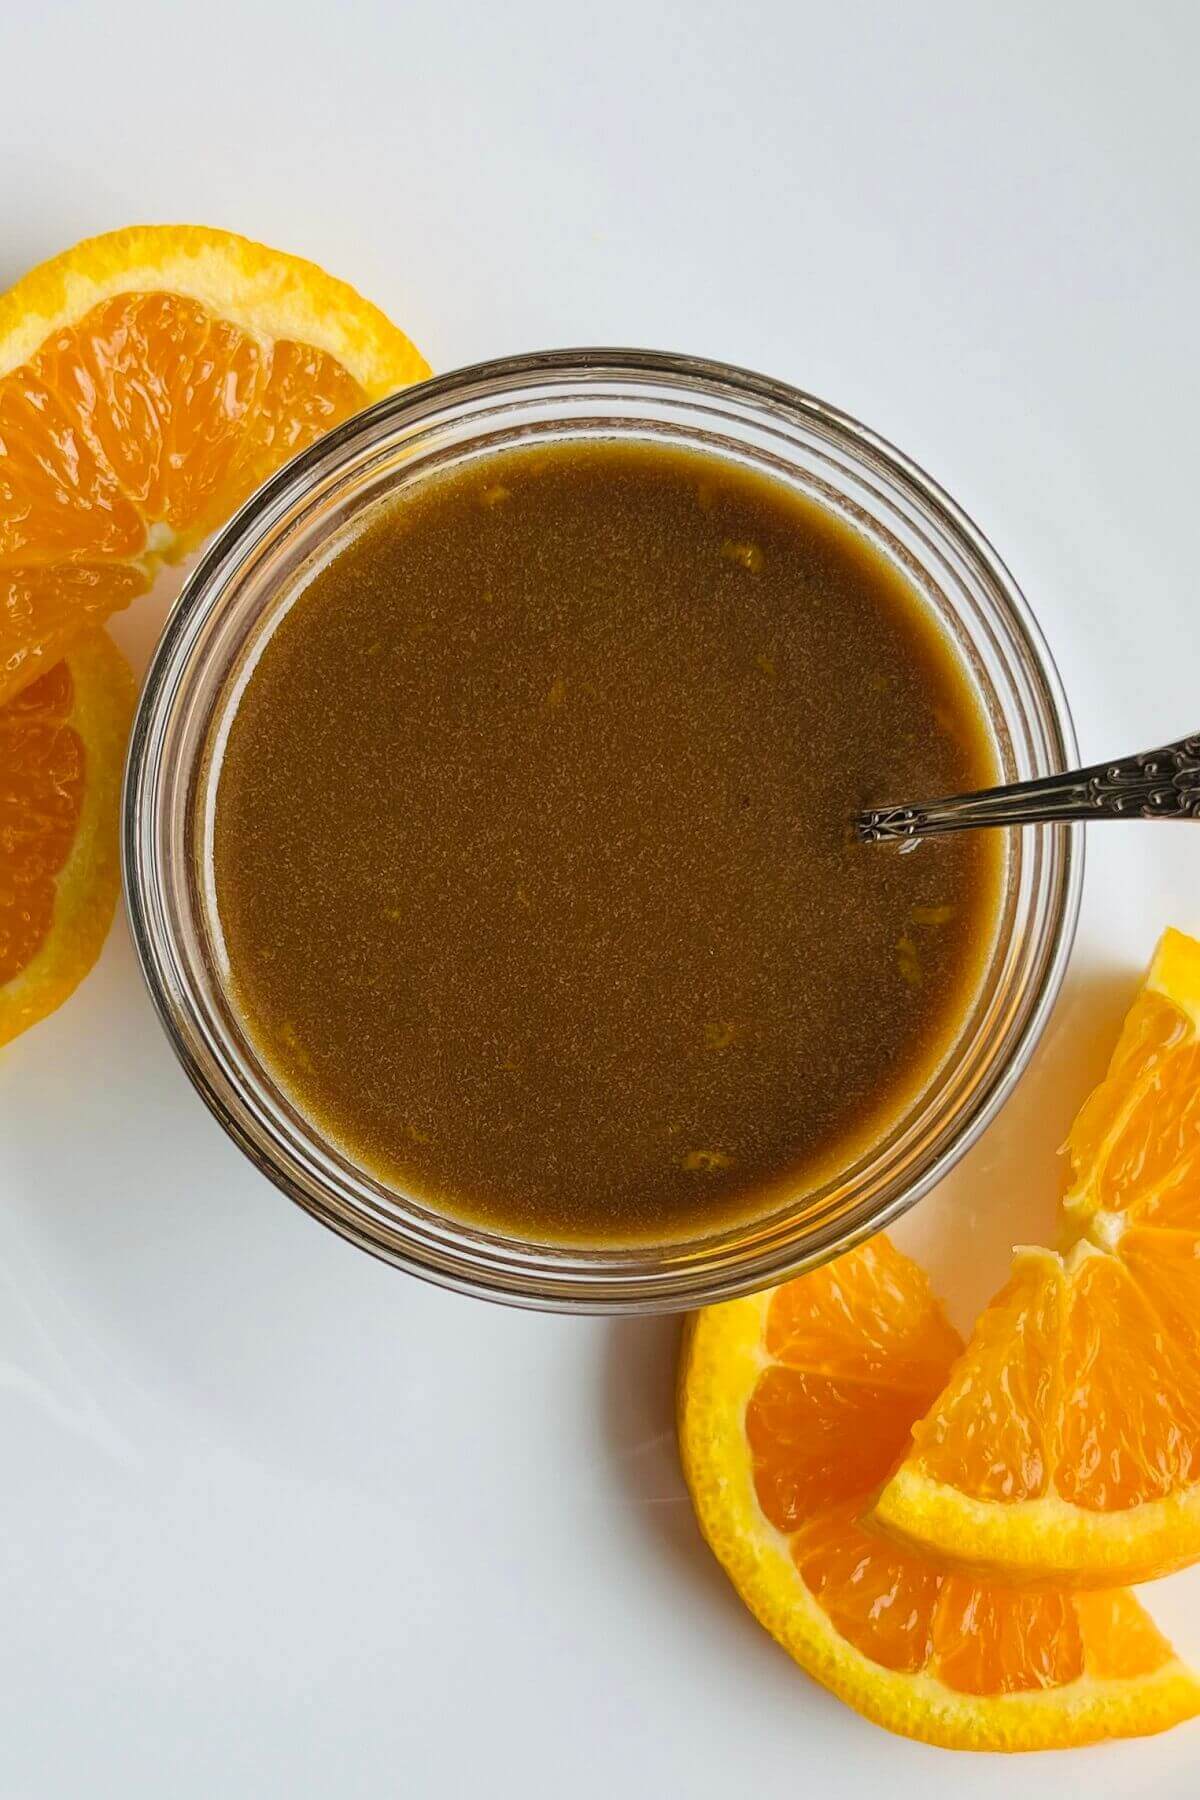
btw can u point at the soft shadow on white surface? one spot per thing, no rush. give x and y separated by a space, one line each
636 1424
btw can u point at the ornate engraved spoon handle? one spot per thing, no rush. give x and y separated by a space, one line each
1158 784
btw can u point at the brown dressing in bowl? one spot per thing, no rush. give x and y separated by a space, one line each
531 846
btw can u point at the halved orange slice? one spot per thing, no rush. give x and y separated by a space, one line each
1065 1446
149 381
793 1407
62 747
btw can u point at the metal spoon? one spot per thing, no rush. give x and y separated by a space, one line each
1158 784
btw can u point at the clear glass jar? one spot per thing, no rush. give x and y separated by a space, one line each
249 573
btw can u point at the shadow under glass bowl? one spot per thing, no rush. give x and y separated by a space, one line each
247 578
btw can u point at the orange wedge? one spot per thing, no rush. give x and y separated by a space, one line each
793 1406
1065 1446
149 381
62 747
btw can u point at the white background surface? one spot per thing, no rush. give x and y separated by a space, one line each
274 1520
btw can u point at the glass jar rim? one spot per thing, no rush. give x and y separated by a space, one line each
638 1278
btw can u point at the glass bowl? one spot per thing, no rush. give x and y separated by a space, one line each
248 575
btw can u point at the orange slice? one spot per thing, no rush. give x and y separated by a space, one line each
793 1406
149 381
1065 1446
62 746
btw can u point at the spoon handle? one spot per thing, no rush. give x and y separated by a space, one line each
1157 784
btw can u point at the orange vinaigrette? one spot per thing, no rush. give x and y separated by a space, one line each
531 845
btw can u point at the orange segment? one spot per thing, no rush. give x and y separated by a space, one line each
1151 1156
792 1408
44 608
862 1318
1118 1638
998 1641
162 391
58 498
1130 1410
149 381
1154 1027
305 393
62 746
876 1598
815 1440
1135 1147
182 414
999 1412
1066 1445
1166 1266
148 415
43 761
